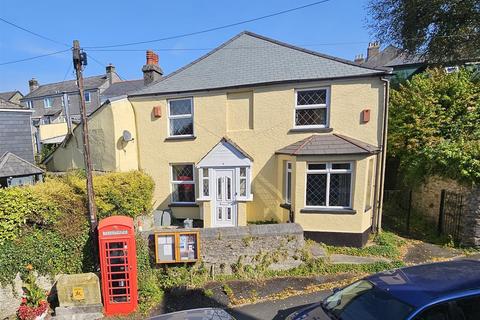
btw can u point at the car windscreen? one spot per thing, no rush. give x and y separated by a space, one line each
362 300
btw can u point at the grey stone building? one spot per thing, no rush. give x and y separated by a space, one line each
16 147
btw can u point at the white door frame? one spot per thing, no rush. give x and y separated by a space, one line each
225 202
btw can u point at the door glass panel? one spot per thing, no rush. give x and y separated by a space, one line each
219 188
229 213
219 213
229 188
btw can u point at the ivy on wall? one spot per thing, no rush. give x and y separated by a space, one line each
433 126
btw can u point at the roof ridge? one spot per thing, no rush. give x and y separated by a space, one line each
4 158
307 140
352 141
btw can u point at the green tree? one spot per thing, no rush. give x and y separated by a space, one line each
434 126
442 30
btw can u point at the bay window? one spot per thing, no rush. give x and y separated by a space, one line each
180 117
311 108
329 185
183 183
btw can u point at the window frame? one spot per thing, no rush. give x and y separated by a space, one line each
328 171
89 96
201 179
182 116
45 105
369 188
325 106
30 104
287 198
178 182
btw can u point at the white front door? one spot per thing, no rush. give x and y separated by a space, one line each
225 206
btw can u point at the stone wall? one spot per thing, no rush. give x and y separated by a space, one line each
274 245
10 295
470 232
426 200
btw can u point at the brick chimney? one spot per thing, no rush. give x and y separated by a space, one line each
151 70
33 84
359 59
373 49
112 75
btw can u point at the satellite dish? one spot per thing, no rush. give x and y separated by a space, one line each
127 136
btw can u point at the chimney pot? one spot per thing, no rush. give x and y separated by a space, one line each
111 73
359 59
33 84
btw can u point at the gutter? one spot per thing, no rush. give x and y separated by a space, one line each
381 163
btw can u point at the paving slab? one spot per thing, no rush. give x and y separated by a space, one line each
425 252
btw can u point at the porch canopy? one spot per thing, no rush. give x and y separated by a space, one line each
226 153
328 144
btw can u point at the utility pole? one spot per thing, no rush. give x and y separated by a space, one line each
80 60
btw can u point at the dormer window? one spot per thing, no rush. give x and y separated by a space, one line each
87 97
311 108
48 102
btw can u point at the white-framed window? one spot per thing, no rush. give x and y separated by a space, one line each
368 193
180 117
30 104
205 182
243 181
288 182
329 185
312 108
48 102
87 96
183 183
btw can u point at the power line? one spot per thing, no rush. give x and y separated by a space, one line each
32 32
210 29
35 57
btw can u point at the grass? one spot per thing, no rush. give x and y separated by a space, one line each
386 244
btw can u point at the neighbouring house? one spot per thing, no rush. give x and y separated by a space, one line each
255 130
11 96
403 64
16 147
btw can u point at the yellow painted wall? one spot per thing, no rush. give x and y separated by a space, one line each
52 130
102 146
126 153
239 111
273 117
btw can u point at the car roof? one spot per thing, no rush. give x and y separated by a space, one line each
422 284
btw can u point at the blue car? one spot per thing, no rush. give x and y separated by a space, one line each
437 291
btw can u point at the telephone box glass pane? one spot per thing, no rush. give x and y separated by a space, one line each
166 248
188 247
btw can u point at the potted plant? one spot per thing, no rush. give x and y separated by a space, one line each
34 305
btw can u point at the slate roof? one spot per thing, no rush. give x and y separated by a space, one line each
122 88
328 144
7 95
250 59
66 86
12 165
392 56
5 104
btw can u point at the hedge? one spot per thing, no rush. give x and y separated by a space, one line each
46 225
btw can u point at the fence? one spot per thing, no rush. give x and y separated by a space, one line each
450 214
397 209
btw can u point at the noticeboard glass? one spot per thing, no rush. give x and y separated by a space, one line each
166 248
188 246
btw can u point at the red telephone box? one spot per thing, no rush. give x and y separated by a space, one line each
118 264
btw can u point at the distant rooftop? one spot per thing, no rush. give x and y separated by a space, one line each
6 104
391 57
122 88
12 165
252 59
48 89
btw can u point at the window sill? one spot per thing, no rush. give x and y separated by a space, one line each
328 211
244 199
180 138
311 129
368 209
180 205
203 199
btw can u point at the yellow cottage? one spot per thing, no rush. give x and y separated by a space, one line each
255 130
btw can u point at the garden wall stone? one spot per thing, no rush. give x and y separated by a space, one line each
10 295
470 232
223 248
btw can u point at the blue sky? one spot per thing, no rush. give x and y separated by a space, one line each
338 23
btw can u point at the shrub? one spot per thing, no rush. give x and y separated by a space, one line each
15 206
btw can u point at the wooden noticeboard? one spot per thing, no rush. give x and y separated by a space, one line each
177 247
